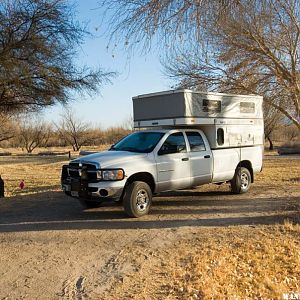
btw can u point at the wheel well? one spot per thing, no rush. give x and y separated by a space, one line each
247 164
142 176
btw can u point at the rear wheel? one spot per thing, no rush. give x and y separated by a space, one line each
241 181
137 199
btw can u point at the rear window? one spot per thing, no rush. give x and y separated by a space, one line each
196 142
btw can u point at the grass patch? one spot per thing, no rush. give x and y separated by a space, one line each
41 174
262 267
260 262
279 172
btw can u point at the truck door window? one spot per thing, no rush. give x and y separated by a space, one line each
175 143
196 142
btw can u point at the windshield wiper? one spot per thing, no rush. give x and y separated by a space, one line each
129 149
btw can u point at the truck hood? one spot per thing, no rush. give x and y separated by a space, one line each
110 159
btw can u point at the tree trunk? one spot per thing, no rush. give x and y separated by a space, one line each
271 146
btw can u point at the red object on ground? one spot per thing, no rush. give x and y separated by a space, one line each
22 185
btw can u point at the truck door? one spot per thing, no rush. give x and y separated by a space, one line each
200 158
173 165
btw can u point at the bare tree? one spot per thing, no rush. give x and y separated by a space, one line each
273 120
127 124
74 131
38 42
244 46
33 134
7 128
291 133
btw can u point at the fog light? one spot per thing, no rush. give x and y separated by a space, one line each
103 193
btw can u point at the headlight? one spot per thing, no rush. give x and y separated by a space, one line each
117 174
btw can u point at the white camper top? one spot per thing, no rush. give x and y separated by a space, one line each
191 91
186 107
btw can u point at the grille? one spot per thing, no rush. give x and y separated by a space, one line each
89 166
91 171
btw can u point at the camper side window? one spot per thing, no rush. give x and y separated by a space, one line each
220 136
196 142
247 107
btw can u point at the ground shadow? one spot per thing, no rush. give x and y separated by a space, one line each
55 211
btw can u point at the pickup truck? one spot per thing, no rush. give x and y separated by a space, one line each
148 162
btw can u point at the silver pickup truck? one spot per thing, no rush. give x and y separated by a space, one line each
148 162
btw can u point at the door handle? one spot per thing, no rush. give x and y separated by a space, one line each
206 156
185 159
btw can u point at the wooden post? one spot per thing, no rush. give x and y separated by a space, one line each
1 188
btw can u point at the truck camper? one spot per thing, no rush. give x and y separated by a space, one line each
183 139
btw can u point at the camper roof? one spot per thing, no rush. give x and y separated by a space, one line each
168 92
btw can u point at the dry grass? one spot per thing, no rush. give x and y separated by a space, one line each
280 172
40 174
261 265
233 263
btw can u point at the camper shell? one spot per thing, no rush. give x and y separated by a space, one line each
227 120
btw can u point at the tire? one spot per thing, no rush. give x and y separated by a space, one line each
89 204
137 199
241 181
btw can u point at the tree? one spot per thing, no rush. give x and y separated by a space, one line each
74 131
128 123
38 42
273 119
33 134
244 46
7 128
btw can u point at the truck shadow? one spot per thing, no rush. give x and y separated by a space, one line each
55 211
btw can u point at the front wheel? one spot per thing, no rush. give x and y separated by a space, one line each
137 199
241 181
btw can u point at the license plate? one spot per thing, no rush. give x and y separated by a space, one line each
75 186
74 193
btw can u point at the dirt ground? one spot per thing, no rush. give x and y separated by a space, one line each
203 243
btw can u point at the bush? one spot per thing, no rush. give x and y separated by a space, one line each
289 148
5 153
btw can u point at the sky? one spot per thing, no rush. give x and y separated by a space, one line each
139 74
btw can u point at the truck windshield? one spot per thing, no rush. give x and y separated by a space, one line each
141 142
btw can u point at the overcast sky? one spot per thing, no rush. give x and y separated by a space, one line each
138 75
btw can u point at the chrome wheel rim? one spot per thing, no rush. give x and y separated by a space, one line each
244 181
142 200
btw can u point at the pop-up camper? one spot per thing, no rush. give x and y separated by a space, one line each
227 120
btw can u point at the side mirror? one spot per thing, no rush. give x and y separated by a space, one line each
111 147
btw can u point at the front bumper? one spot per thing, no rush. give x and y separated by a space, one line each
84 187
99 190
